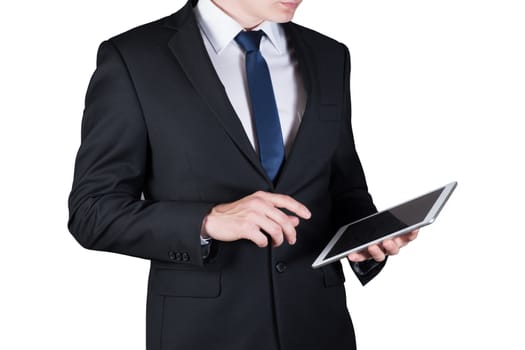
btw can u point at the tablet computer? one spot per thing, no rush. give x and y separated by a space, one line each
402 218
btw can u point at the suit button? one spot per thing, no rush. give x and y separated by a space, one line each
178 256
185 257
280 267
172 255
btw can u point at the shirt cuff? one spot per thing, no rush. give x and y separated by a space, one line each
205 240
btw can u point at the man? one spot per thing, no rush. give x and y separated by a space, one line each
236 130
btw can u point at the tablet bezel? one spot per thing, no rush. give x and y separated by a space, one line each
431 216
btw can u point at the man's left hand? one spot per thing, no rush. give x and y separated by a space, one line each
379 251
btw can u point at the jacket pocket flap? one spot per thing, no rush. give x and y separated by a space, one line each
333 274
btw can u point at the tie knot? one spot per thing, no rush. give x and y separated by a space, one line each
249 40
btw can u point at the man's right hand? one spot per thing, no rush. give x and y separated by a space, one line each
248 217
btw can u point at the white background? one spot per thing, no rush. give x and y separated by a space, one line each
438 95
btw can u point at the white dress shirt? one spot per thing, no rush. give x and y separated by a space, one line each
218 31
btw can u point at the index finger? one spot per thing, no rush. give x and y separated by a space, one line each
287 202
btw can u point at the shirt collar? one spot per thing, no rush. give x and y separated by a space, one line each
221 29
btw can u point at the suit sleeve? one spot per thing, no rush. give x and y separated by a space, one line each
106 211
351 200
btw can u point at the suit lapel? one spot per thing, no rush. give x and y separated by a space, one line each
189 50
306 143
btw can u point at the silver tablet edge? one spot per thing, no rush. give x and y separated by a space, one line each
440 202
329 246
431 216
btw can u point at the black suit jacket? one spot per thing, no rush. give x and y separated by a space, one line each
158 123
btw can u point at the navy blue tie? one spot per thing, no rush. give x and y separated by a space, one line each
264 108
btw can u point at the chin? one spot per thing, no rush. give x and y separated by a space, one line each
282 17
283 13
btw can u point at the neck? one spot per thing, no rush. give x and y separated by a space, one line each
246 20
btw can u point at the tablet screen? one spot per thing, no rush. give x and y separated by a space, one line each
385 223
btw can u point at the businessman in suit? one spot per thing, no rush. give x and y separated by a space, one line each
217 143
